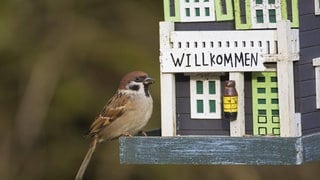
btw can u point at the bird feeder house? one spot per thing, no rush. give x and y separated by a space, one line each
268 51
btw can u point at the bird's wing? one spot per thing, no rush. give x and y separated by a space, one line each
114 108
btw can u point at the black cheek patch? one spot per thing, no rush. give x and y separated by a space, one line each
134 87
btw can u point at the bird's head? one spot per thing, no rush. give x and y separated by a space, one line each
136 81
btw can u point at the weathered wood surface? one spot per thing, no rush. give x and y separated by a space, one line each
210 150
220 150
311 147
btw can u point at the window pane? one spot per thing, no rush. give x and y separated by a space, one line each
261 79
262 112
274 79
271 1
212 87
199 106
258 1
275 112
197 11
207 11
199 87
274 101
261 101
261 90
259 15
187 12
212 105
272 15
274 90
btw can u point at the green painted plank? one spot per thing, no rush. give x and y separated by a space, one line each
210 150
295 12
166 9
284 12
237 12
229 13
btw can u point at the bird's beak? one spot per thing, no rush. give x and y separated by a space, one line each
148 80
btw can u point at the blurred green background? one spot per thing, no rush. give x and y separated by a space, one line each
60 60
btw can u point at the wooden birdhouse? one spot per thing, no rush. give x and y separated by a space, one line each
270 52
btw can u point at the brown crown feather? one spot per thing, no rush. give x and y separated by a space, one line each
130 77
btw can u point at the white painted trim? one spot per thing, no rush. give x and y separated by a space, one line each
205 96
167 85
297 120
237 127
265 6
316 61
200 50
191 5
317 7
288 124
316 64
209 51
168 105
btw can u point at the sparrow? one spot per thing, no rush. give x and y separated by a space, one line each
125 114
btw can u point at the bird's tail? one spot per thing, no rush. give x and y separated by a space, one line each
86 160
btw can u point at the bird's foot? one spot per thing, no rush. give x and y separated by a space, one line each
143 133
127 134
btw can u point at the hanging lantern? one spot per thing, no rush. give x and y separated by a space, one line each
230 101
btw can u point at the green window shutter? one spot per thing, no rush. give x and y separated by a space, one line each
212 87
199 106
273 79
212 105
274 90
261 90
271 1
199 87
262 112
207 11
197 11
259 15
275 112
261 101
272 16
261 79
275 101
188 12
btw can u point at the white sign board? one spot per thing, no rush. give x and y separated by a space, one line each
212 60
216 51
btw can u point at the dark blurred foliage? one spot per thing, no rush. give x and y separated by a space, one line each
60 60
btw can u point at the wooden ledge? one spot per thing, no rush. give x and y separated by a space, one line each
219 150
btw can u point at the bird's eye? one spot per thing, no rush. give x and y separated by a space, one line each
139 79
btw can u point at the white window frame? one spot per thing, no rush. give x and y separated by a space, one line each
316 64
317 7
265 7
201 4
205 97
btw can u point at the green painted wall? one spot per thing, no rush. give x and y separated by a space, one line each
265 105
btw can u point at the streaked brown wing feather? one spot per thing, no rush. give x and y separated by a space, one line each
114 108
